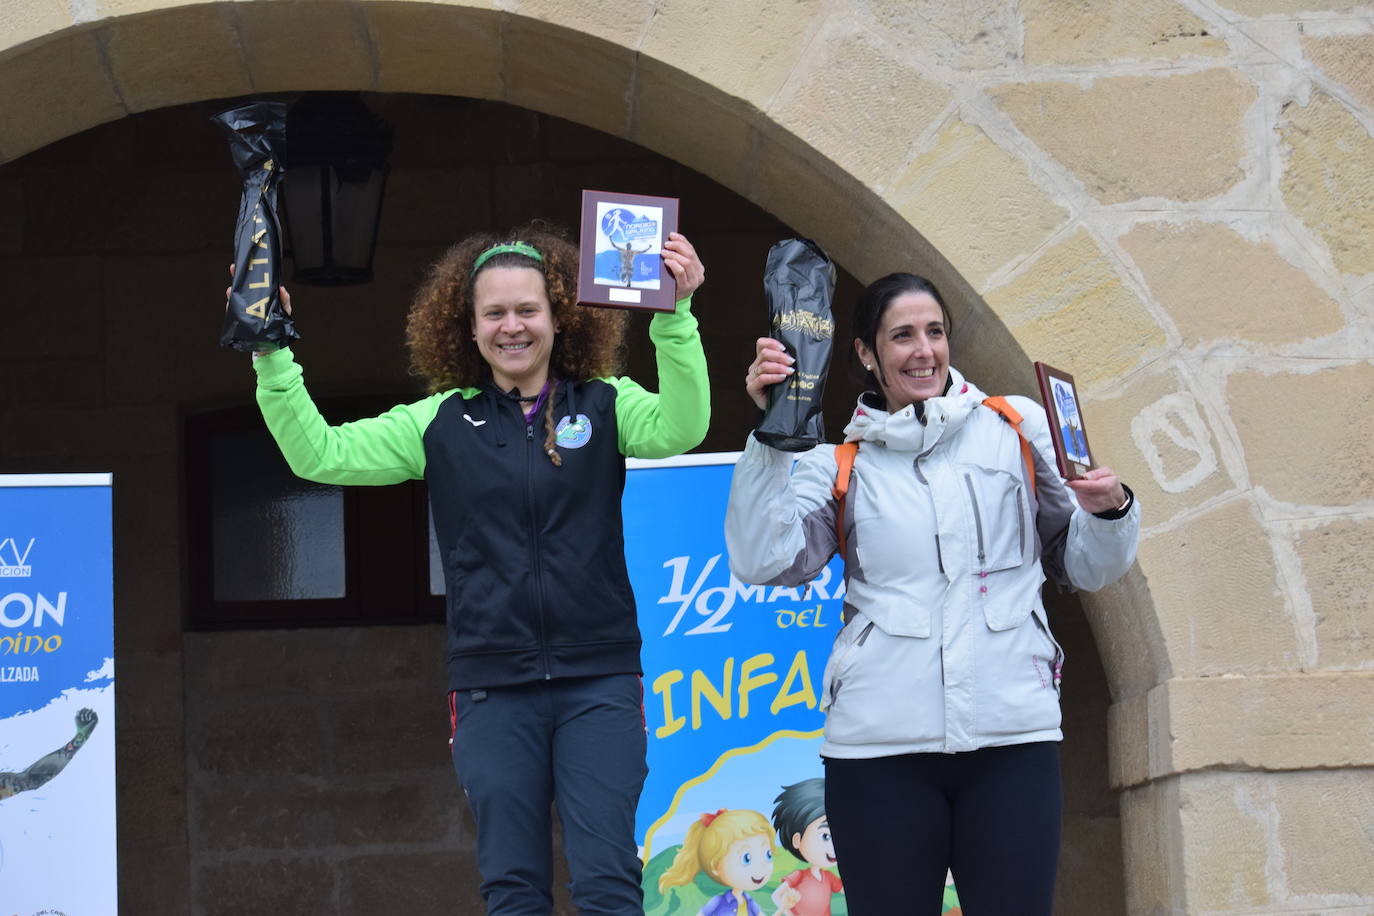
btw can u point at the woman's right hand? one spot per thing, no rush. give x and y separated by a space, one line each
771 365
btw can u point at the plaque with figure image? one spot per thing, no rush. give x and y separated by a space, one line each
620 262
1062 406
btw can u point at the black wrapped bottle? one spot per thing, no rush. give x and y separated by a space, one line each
799 281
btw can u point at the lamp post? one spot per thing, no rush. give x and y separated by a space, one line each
335 177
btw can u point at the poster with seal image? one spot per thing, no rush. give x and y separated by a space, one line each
620 263
57 748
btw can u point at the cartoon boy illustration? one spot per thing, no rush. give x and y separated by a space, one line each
799 817
735 848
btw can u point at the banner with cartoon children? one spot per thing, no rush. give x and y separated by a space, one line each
57 759
733 813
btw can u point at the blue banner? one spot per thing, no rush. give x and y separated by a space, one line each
57 758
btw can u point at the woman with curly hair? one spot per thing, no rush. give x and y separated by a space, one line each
523 444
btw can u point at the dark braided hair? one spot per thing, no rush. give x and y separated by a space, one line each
550 442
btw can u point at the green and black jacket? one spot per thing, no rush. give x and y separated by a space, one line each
533 554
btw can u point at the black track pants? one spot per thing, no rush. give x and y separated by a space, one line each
991 816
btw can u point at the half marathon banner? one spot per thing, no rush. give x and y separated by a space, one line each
732 681
57 758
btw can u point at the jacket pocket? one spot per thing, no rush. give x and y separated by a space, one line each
1054 659
997 502
837 667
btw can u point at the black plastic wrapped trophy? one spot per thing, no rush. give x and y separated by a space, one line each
255 319
799 281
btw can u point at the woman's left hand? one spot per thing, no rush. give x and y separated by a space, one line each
682 260
1099 490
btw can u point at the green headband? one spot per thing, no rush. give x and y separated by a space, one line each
524 248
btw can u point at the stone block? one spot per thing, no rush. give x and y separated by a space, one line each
277 885
747 54
1260 8
857 103
150 771
23 21
408 883
1151 838
976 203
569 74
975 35
250 662
1091 876
150 686
389 732
95 437
1222 617
67 90
1127 633
1156 435
1225 842
695 123
619 21
252 738
1324 456
1334 558
1060 306
811 195
155 879
1181 137
51 382
273 35
1328 181
1217 285
437 48
179 55
1267 722
1074 33
1325 827
1346 59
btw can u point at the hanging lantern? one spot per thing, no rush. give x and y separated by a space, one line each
333 186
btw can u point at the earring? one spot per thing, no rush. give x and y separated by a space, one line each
867 367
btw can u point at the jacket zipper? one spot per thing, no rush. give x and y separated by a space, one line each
535 552
1020 524
977 521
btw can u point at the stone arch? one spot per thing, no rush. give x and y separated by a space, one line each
852 124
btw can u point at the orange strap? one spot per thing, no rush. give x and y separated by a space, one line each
1008 413
845 454
844 467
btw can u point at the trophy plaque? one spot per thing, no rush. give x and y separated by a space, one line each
1060 397
620 263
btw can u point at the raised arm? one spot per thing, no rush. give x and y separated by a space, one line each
1079 548
380 450
676 418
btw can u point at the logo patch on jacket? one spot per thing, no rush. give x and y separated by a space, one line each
573 433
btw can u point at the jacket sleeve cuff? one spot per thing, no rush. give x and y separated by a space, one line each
1112 515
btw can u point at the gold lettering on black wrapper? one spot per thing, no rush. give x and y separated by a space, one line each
255 318
799 282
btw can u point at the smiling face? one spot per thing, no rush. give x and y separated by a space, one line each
911 360
815 845
747 864
513 325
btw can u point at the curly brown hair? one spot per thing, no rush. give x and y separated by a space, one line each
439 329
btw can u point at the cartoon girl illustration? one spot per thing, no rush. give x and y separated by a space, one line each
735 848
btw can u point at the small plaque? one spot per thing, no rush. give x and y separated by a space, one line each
1062 405
620 263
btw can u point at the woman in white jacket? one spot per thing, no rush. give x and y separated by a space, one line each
942 731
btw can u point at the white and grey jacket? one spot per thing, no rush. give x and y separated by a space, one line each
947 647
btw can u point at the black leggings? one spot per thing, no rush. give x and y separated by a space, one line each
990 816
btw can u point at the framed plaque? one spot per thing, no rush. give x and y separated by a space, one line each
620 264
1060 397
